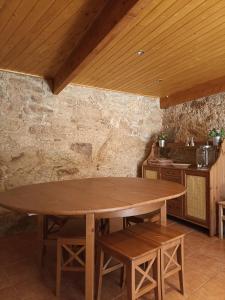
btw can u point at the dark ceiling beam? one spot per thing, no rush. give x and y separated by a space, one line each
113 18
201 90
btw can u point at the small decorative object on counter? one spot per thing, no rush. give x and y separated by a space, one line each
162 139
217 135
187 144
192 142
205 156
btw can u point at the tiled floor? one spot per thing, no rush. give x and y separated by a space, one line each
20 278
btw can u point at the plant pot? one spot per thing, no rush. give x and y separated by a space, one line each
162 143
216 140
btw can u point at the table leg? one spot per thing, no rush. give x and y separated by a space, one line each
40 239
163 214
90 254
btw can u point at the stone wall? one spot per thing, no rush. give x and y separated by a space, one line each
82 132
195 118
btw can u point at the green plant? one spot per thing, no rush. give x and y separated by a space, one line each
162 136
216 132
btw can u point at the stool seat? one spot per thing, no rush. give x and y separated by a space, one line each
126 245
157 233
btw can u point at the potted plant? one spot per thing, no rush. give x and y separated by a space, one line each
216 135
162 139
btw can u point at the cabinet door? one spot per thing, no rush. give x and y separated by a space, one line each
197 197
174 206
151 172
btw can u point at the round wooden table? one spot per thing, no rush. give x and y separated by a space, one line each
106 197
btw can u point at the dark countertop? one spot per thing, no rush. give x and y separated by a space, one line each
191 168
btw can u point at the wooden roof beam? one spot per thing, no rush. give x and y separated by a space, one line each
201 90
115 15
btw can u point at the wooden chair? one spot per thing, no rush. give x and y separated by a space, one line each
70 249
135 254
50 226
172 249
221 218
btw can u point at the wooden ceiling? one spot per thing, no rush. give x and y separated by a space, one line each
37 36
96 43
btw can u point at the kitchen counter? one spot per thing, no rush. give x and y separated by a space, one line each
191 168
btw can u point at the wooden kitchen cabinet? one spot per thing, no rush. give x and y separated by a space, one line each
205 187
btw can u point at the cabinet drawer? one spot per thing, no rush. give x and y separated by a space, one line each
172 175
174 206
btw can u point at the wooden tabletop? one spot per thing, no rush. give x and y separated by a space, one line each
91 195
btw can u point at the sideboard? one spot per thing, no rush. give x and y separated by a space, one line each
205 187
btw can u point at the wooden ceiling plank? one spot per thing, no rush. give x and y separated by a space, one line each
162 90
156 90
201 67
204 72
184 53
173 56
128 48
73 33
153 59
48 24
154 10
21 50
6 12
114 16
166 89
201 90
114 90
15 21
69 34
38 10
182 64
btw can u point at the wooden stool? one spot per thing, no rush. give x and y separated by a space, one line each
50 226
70 249
172 249
134 254
153 217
